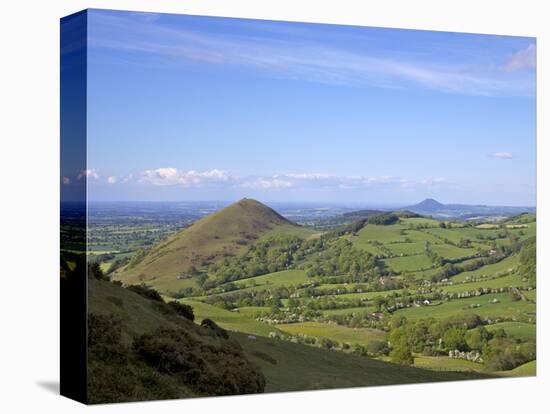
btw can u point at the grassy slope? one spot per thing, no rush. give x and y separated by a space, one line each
138 316
233 321
299 367
506 265
224 233
317 368
443 363
529 369
517 329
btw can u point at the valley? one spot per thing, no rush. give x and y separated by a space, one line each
399 287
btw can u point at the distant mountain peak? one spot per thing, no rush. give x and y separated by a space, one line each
431 201
429 204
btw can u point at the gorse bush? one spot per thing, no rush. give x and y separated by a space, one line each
183 310
146 292
210 369
210 324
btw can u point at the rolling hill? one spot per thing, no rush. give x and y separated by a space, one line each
129 330
224 233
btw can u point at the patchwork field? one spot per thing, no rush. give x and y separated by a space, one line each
352 290
361 336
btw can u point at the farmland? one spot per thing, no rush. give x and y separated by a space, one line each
396 287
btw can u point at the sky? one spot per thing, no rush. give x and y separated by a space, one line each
187 108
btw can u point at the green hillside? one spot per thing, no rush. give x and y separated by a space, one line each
389 299
133 338
349 285
141 349
170 264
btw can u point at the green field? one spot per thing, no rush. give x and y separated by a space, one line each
380 234
452 252
233 321
273 280
342 334
506 265
406 248
517 329
505 308
512 280
409 263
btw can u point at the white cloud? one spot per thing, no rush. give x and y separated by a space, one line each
66 180
522 59
173 176
503 155
90 173
170 176
127 179
267 183
112 179
307 176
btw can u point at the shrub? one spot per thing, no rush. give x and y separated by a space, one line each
146 291
378 348
210 324
384 219
455 338
94 270
183 310
209 369
401 354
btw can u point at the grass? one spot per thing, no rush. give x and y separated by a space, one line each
233 321
381 234
527 369
517 329
295 367
505 308
444 363
530 294
409 263
420 220
347 311
512 280
268 281
505 265
449 251
406 248
342 334
422 236
276 279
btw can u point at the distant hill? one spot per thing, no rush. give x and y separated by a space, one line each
222 234
428 204
431 207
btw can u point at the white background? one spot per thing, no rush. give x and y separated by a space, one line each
29 192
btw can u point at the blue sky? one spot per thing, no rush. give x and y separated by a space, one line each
199 108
